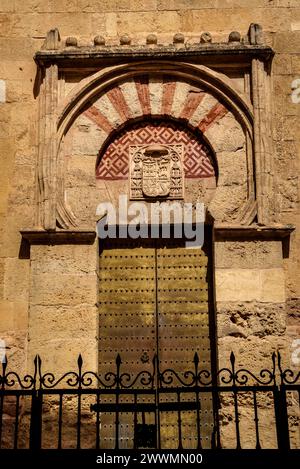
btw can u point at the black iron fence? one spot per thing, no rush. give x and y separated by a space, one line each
163 409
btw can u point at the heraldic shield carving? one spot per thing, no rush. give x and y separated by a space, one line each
156 171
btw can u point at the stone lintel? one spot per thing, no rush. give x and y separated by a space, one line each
222 231
137 52
256 232
59 237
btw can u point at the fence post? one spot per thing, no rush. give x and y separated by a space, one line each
36 420
281 415
35 441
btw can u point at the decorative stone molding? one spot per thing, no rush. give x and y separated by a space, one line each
255 34
188 52
50 190
118 94
52 41
59 237
156 171
253 232
263 141
221 232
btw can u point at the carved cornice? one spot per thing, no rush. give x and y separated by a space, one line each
221 231
254 232
91 55
39 236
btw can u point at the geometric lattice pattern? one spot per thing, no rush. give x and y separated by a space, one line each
197 161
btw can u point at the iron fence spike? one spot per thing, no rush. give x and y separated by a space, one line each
279 359
118 360
4 364
196 358
80 361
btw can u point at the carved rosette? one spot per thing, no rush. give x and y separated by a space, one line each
156 171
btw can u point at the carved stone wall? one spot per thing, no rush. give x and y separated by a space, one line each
62 120
222 127
216 145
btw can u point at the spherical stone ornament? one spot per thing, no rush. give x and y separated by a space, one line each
234 36
125 40
178 38
151 39
71 42
99 41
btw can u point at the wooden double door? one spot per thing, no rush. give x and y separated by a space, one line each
155 298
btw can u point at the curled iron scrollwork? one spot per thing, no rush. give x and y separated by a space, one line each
149 378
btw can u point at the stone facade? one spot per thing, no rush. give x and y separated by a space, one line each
133 72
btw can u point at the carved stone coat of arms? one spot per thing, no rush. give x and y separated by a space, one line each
156 171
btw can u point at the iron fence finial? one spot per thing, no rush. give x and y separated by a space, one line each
118 360
80 361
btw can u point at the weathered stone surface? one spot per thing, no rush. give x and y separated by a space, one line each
287 42
64 259
13 316
251 319
267 428
61 355
227 202
50 323
220 19
248 254
293 318
55 287
283 64
227 135
233 167
253 353
16 279
16 343
266 285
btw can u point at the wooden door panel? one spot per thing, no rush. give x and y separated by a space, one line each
127 306
183 328
160 288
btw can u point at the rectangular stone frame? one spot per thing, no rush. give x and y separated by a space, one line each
53 62
54 59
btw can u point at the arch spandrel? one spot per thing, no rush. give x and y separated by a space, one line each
160 95
203 77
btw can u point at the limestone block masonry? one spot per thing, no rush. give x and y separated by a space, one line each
214 77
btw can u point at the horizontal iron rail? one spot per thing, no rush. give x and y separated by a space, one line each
17 392
146 407
153 391
290 387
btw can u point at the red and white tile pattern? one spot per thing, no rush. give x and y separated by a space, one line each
155 97
115 161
